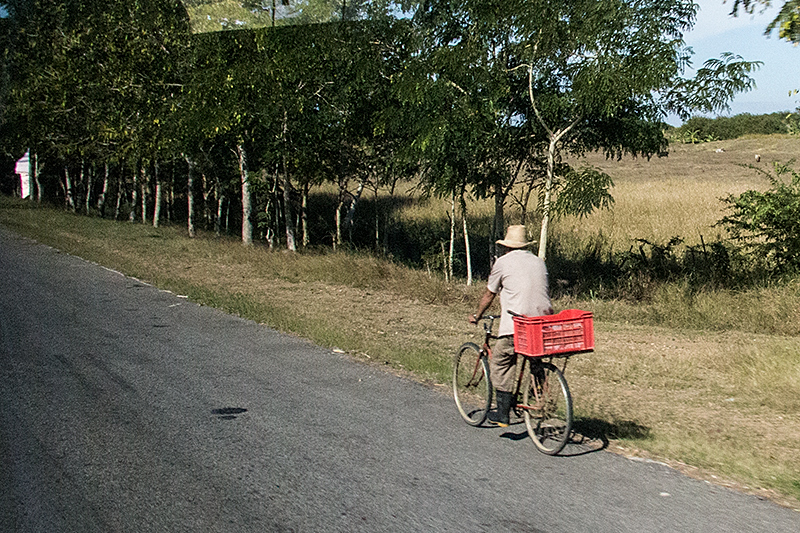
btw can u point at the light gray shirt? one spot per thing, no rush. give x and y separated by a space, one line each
520 278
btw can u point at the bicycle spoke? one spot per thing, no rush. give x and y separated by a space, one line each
548 408
472 388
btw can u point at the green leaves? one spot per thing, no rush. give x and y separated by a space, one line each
583 191
767 223
713 86
96 77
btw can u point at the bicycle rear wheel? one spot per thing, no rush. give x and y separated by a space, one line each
472 388
547 407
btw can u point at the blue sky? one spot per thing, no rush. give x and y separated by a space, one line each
715 32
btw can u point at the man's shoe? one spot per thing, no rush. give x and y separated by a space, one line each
501 416
495 420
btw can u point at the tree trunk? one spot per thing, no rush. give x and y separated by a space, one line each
101 201
157 207
304 213
39 191
466 241
207 215
451 251
134 194
143 181
247 205
120 193
287 212
351 211
548 193
89 179
171 192
287 191
377 222
555 136
220 199
499 220
340 204
190 197
68 190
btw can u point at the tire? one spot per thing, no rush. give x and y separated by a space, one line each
547 407
472 388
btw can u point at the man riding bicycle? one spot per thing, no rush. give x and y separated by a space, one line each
520 277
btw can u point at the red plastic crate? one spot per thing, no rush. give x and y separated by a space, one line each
570 331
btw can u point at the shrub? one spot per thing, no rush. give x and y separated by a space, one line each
767 224
700 129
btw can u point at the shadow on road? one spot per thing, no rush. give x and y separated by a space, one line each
588 434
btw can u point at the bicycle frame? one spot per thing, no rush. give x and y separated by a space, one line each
543 400
534 362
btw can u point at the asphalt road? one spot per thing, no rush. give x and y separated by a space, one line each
127 408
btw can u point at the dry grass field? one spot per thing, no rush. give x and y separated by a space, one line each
680 194
721 403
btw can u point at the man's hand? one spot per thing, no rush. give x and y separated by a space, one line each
486 301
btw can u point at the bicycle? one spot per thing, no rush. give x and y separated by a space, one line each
542 395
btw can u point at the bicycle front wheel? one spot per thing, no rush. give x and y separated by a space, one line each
547 407
472 388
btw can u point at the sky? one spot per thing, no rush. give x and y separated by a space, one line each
716 32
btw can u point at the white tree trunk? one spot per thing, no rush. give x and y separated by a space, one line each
338 240
498 227
466 242
288 217
220 199
377 222
134 195
304 214
287 212
120 193
157 207
143 182
548 194
35 169
101 201
190 198
68 190
451 251
89 179
247 203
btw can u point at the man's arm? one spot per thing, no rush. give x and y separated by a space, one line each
483 305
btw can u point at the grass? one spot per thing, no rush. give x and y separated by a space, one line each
704 380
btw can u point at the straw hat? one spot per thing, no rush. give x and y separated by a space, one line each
516 237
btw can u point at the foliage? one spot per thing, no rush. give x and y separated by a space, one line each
787 21
701 129
583 190
95 77
767 224
466 97
793 122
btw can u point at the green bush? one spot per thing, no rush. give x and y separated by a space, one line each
702 129
767 224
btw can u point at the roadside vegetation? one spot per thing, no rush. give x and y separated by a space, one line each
383 146
701 373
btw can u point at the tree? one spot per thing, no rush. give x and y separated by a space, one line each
95 79
468 136
787 21
587 75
